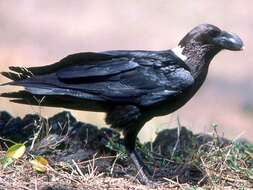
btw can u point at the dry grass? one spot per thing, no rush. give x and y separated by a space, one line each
225 168
229 167
62 176
190 163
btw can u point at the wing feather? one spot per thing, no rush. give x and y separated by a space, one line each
115 78
104 68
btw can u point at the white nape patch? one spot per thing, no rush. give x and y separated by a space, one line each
178 51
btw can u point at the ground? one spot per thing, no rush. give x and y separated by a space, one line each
82 156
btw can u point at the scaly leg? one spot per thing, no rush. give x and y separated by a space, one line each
130 139
140 167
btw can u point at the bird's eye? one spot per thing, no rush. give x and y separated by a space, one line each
214 33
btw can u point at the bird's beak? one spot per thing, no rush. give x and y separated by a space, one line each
230 41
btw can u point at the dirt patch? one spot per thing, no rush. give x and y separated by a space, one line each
82 156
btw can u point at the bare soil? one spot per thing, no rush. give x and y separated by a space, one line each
82 156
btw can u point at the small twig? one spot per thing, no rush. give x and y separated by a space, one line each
95 159
224 163
35 137
207 171
113 164
91 167
64 176
8 140
173 182
78 169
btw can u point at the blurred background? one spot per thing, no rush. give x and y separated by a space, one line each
42 32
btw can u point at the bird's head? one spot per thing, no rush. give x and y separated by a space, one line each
210 36
202 43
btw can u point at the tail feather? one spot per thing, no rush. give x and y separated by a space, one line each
21 73
18 94
13 76
17 73
24 97
21 70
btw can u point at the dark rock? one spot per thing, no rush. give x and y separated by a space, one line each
31 124
167 140
31 118
17 129
61 123
83 132
4 117
13 130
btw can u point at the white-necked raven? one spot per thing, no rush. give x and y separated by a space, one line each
132 87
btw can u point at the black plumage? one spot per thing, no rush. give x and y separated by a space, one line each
132 87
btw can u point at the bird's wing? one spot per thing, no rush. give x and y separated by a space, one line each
105 68
86 58
121 79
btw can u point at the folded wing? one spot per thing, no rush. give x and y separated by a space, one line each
117 78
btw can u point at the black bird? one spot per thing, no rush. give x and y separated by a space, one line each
132 87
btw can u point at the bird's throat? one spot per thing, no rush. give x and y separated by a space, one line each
198 57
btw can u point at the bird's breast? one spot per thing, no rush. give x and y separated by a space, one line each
174 103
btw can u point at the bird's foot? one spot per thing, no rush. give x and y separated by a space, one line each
146 181
142 169
141 176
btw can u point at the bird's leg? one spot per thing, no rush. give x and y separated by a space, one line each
139 166
130 139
